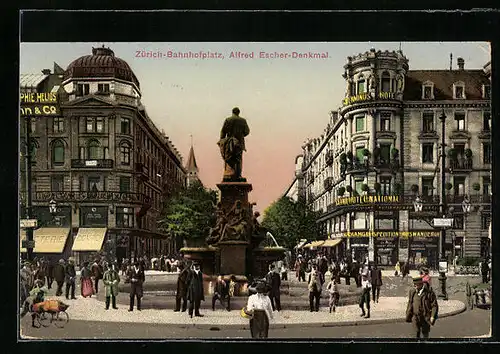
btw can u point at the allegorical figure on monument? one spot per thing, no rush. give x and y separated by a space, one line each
232 145
217 231
236 228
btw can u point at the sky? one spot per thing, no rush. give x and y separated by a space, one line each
285 100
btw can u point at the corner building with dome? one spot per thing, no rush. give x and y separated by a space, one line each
102 162
381 150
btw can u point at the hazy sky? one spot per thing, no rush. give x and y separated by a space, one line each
284 100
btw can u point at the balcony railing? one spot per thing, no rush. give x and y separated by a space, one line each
142 170
92 163
112 197
329 158
461 164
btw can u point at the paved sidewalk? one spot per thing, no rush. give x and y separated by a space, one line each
389 310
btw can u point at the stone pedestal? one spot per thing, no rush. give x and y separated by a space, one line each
233 257
232 192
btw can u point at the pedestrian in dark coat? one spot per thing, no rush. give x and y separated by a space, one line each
50 273
111 278
70 278
221 292
59 275
182 285
422 308
195 292
273 281
484 270
97 273
376 277
315 284
137 278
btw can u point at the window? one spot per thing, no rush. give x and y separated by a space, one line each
94 184
124 184
458 222
385 185
459 92
428 122
460 119
104 88
33 125
427 152
427 186
58 125
486 153
82 89
58 152
82 153
100 124
94 125
361 86
486 121
105 151
459 185
93 150
485 247
359 153
427 93
357 186
487 92
386 82
486 186
125 126
352 90
485 221
360 123
125 217
57 183
460 149
385 153
105 183
125 154
358 220
81 182
385 122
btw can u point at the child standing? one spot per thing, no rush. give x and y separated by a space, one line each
334 294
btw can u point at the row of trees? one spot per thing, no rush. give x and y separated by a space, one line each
191 212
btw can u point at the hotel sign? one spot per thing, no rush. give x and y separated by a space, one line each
39 104
363 97
403 234
367 199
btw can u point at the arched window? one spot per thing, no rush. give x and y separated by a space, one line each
58 152
125 153
386 82
361 85
93 150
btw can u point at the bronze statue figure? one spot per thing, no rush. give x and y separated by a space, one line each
218 230
232 145
237 227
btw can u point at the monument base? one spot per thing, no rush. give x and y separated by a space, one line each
232 257
232 192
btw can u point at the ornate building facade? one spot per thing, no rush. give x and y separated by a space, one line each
380 151
103 162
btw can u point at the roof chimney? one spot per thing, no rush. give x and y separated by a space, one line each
46 71
451 61
460 63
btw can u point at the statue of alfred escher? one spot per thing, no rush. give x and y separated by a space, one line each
232 145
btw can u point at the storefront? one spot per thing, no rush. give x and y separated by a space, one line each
359 248
386 251
424 251
90 240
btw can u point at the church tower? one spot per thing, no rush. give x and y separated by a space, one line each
192 168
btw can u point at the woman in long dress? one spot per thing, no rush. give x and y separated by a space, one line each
87 287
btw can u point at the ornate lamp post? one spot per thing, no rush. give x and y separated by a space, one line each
442 209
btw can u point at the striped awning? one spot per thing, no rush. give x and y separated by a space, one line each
47 239
315 244
331 242
89 239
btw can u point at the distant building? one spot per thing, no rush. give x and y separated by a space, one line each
103 161
381 150
192 168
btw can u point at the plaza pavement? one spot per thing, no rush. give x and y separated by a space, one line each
388 310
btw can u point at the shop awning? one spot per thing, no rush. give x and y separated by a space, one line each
331 242
47 239
315 244
300 245
89 239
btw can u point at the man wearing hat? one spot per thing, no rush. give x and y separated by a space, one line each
365 295
111 278
273 281
59 275
422 308
70 278
260 306
195 293
182 285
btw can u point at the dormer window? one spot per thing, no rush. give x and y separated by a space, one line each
361 86
386 82
82 90
486 92
103 88
428 90
459 90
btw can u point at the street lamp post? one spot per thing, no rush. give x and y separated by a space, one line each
442 208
